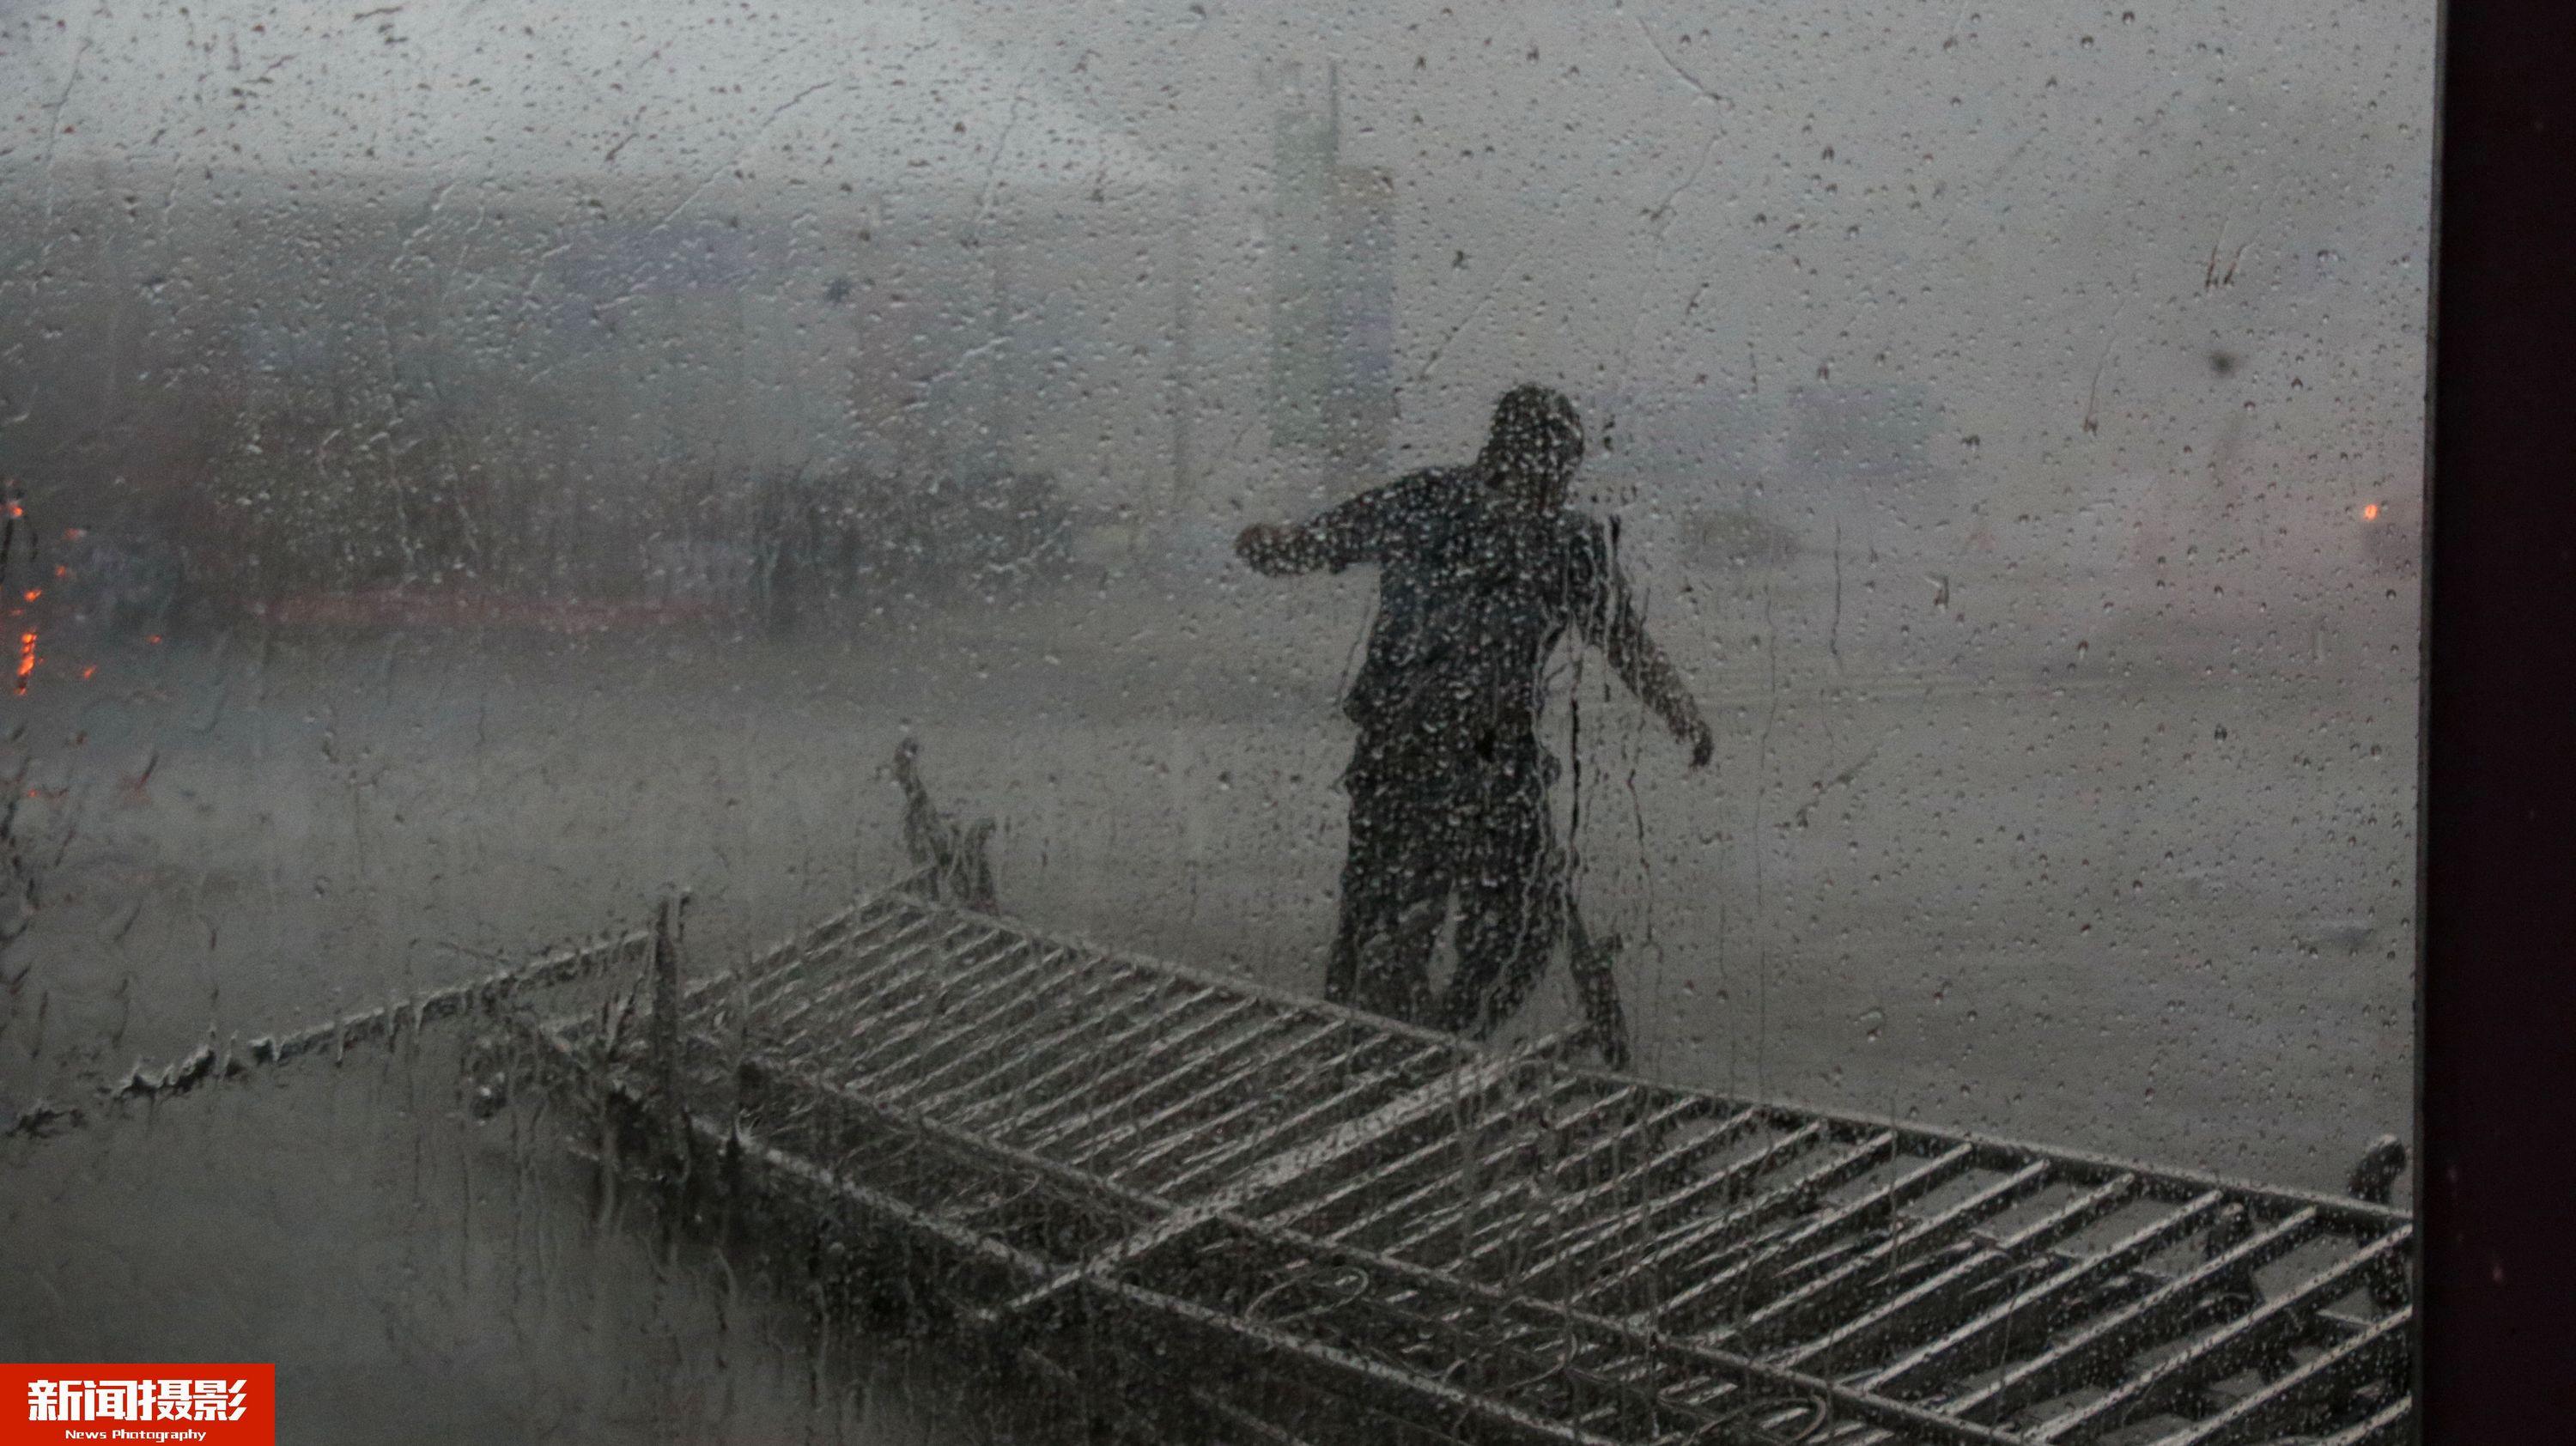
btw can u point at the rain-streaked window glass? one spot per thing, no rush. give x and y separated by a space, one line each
1054 719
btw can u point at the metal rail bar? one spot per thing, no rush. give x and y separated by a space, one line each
2043 1375
2392 1425
1213 1062
890 970
1247 1086
1489 1220
1931 1296
1440 1094
1885 1198
1373 1182
923 1006
1024 1064
2241 1341
790 961
877 946
2128 1251
1861 1158
1226 1082
1727 1181
1287 1132
907 1056
1831 1290
1004 1046
2086 1166
1171 1046
2283 1403
1652 1216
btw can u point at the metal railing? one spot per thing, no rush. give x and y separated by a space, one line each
1368 1223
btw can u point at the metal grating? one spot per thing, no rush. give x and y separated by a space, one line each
1438 1238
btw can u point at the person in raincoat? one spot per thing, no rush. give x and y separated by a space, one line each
1482 569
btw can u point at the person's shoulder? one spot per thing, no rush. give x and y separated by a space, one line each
1430 490
1436 481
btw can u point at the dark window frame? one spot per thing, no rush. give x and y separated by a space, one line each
2496 1187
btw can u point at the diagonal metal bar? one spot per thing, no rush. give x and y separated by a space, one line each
2286 1402
964 1022
1015 1029
790 962
1837 1287
1879 1204
1651 1126
882 952
1930 1297
1222 1083
2233 1346
1216 1060
1824 1229
1251 1087
2122 1255
826 1037
2391 1425
942 1013
207 1063
1467 1081
1457 1199
1069 1068
1570 1167
1726 1183
1376 1181
890 966
1287 1132
1043 1052
1510 1233
1012 1117
1771 1205
1652 1217
2134 1324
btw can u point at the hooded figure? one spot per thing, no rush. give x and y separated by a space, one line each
1481 570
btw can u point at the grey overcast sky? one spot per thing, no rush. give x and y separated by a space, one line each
2045 216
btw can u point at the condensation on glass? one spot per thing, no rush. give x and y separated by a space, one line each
484 480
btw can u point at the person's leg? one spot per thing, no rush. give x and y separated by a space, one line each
1393 886
1511 910
1367 869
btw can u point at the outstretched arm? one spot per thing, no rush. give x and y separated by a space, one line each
1360 530
1279 549
1621 632
1650 675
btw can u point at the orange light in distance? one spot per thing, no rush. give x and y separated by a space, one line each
2370 512
26 657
